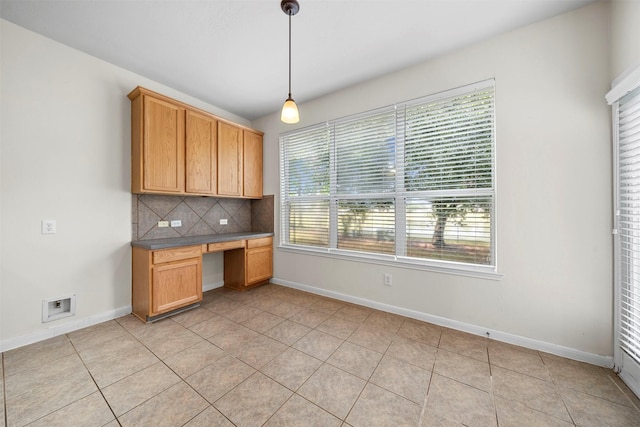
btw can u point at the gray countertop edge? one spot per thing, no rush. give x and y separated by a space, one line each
175 242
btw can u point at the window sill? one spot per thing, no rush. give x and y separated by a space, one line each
445 267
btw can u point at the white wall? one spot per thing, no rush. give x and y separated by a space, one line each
625 36
554 190
65 135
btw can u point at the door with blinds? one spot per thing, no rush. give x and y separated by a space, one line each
626 122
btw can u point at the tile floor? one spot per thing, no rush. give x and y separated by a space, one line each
275 356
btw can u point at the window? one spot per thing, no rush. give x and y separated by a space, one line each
411 183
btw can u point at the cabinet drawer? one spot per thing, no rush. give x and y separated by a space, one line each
223 246
255 243
176 254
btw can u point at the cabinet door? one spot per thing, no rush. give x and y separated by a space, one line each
201 149
163 146
176 284
259 264
229 160
252 169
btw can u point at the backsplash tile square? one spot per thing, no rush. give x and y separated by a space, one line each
199 215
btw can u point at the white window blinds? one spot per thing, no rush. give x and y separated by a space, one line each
414 181
629 222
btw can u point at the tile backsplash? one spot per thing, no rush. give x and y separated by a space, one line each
199 215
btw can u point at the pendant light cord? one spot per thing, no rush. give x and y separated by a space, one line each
289 54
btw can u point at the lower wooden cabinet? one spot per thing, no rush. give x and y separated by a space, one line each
165 280
251 266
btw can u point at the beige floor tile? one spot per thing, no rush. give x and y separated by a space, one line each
222 305
232 336
356 360
192 359
299 412
354 313
96 334
402 378
377 407
464 369
291 368
35 355
37 378
90 411
131 323
590 411
193 317
416 353
385 321
215 380
210 417
288 332
172 407
514 414
242 313
338 327
318 344
532 392
310 317
262 322
131 391
423 332
254 401
327 305
212 326
54 395
429 419
118 367
266 302
174 343
157 330
517 359
585 378
460 402
258 351
285 309
372 338
300 298
468 345
115 348
333 390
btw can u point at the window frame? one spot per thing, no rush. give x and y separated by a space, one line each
399 258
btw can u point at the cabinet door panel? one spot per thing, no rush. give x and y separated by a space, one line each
176 285
163 147
252 155
201 148
259 264
229 160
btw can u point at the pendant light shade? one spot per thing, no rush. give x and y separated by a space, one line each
290 109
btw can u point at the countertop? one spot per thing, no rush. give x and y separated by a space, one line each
174 242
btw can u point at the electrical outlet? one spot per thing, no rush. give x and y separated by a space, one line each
176 223
162 224
48 226
224 221
388 279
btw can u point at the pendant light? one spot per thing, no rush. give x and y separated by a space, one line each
290 109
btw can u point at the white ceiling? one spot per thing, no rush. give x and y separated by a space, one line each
234 53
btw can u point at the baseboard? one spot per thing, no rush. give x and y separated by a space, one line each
570 353
62 329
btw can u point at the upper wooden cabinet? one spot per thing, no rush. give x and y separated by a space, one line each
201 147
179 149
252 164
230 152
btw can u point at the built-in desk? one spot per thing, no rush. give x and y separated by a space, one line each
167 273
